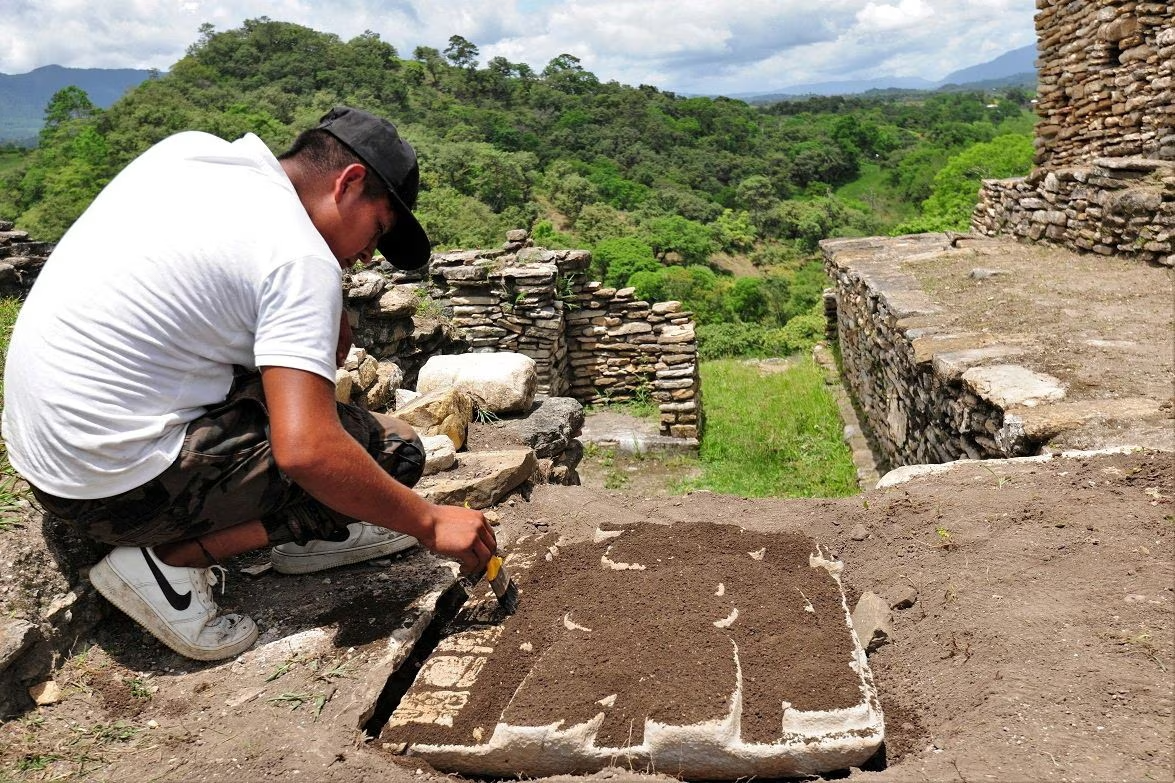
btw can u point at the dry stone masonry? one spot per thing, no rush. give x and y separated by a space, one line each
589 342
945 360
20 260
623 348
1104 184
1105 143
913 414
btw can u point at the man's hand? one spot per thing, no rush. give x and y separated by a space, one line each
462 534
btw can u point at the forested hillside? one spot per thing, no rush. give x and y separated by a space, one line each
23 96
711 201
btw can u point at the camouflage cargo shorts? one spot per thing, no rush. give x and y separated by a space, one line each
225 475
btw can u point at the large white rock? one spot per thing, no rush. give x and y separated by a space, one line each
500 382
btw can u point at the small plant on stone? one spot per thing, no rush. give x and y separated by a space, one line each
485 416
566 292
427 307
282 669
643 405
296 700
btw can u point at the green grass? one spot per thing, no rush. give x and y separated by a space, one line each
772 435
10 159
871 192
12 490
9 309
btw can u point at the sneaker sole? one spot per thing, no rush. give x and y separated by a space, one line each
312 562
114 589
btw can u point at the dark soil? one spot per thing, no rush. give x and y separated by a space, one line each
647 639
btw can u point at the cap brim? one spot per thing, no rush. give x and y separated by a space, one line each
406 246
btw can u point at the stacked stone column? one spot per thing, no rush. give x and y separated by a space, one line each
589 342
503 301
624 349
1105 143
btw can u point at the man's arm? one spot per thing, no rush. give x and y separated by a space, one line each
312 448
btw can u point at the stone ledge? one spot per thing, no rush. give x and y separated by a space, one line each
945 364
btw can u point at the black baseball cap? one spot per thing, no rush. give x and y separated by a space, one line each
377 142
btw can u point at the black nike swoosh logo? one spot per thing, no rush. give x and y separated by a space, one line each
177 601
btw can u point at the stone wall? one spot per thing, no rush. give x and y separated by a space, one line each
1116 206
911 413
1105 142
957 346
622 349
20 260
591 343
1104 81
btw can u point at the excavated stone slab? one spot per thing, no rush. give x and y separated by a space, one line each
697 650
481 479
1010 384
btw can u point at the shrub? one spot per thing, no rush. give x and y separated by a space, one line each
619 258
722 341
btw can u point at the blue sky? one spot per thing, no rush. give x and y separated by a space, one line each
689 46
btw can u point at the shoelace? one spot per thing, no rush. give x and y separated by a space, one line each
213 580
223 624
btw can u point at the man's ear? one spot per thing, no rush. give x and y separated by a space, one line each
350 178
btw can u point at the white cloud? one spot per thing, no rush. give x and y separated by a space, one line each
693 46
881 17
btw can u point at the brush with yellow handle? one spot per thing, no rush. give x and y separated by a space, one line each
500 581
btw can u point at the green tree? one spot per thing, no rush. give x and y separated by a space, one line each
598 222
566 74
674 235
65 106
462 53
734 231
615 260
956 185
570 192
747 300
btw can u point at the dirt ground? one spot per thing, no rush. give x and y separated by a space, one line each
1039 645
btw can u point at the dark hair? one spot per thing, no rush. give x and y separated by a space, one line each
323 154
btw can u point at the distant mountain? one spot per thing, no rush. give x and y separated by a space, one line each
23 97
1013 63
1014 68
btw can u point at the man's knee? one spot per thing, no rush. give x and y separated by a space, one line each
402 454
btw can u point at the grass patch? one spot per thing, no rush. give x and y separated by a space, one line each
638 403
13 491
774 434
871 192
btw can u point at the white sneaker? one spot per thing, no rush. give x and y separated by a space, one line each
363 542
174 604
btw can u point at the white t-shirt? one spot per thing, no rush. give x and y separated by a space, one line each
196 257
